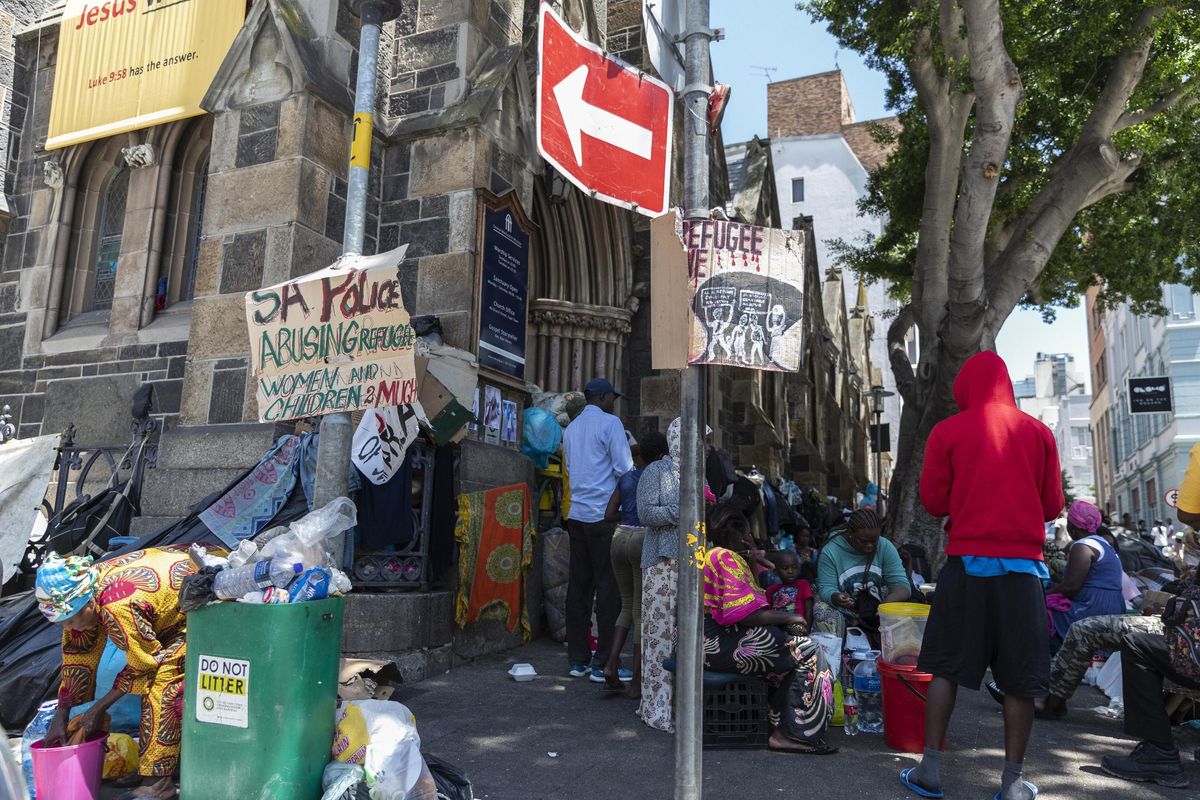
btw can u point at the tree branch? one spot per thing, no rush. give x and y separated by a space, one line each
1126 74
898 353
1184 94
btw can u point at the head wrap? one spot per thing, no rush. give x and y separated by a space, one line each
863 519
64 586
1083 514
675 438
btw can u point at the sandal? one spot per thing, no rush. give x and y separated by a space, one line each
805 748
1033 789
917 788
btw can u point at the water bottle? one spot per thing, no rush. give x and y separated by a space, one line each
230 584
866 686
850 710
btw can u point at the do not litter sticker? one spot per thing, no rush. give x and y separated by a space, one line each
223 691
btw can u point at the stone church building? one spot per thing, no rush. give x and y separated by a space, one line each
125 260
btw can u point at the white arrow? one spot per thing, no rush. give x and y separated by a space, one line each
580 117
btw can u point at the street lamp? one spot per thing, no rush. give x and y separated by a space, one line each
878 396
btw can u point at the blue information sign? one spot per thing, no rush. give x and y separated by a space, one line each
504 291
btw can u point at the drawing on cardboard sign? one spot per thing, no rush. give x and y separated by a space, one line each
747 295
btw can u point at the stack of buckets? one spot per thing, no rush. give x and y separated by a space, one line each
901 629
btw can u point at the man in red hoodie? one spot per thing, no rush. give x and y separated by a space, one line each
993 471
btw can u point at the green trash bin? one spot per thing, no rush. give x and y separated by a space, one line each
259 700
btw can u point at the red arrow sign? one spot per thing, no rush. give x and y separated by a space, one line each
602 123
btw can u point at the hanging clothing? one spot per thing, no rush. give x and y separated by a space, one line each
385 511
495 540
246 509
441 514
137 598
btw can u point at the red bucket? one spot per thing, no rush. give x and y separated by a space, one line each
904 691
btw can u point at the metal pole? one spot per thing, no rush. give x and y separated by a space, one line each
333 448
689 658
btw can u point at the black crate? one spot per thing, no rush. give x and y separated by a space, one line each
735 715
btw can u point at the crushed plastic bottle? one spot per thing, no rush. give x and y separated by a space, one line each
305 540
246 553
231 584
200 557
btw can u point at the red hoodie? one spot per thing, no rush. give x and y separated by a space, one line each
991 468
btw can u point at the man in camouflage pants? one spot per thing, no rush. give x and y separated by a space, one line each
1084 638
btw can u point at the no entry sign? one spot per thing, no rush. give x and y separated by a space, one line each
603 124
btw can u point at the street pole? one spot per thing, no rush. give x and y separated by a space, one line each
689 658
333 448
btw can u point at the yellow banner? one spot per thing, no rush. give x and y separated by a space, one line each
129 64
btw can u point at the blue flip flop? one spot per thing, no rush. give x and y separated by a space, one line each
920 790
1029 785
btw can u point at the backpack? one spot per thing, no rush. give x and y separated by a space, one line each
1181 621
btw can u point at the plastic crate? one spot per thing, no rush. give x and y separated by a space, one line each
735 714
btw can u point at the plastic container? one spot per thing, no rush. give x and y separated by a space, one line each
901 629
260 713
735 714
867 689
522 672
831 646
69 773
904 693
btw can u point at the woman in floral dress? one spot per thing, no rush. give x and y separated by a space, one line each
743 634
132 601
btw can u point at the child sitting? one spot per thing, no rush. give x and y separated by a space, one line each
792 593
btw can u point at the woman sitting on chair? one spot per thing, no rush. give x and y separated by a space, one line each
743 634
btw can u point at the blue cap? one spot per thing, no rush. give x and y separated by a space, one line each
599 386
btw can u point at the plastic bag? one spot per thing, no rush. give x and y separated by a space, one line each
120 756
542 436
341 781
304 541
381 735
35 731
452 782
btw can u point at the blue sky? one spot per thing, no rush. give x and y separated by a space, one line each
771 33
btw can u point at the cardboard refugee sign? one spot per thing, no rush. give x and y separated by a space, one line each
740 288
338 339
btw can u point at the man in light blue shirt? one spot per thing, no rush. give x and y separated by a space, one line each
597 454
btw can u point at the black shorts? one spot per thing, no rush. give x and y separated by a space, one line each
977 623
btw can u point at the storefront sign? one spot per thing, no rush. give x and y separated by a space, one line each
1150 395
336 340
382 439
747 286
223 691
122 65
503 286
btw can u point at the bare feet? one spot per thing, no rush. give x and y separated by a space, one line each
635 692
611 680
778 741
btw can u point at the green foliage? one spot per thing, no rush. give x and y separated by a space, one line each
1134 241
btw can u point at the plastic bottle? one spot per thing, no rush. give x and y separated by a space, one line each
850 710
246 553
230 584
866 687
35 732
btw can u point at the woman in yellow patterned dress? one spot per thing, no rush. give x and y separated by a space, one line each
132 601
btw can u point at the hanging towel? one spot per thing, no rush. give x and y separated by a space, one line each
495 548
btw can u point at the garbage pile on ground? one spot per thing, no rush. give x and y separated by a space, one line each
286 564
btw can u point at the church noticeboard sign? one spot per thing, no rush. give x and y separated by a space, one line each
123 65
503 285
1150 395
338 339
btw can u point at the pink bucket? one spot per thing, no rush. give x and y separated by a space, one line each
69 773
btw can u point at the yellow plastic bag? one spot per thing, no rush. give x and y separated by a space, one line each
350 737
839 716
120 756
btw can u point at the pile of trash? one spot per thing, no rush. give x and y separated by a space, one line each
286 564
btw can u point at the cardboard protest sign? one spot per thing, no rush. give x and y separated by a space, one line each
382 438
338 339
747 294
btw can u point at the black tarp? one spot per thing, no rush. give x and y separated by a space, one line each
30 658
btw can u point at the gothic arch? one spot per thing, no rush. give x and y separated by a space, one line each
185 206
581 271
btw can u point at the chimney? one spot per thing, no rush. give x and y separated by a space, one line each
809 106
